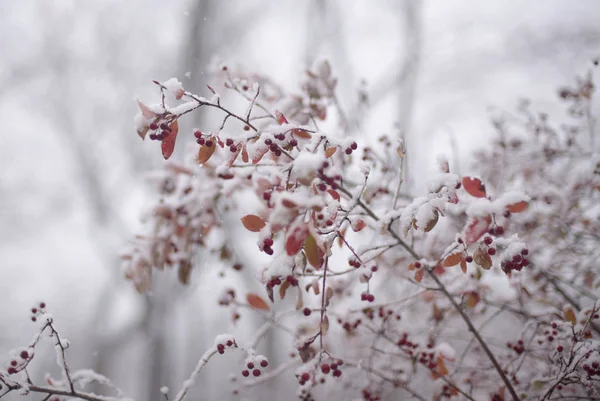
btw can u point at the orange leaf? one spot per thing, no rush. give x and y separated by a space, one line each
301 133
256 302
474 187
431 223
206 152
253 222
314 255
453 260
168 144
517 207
330 152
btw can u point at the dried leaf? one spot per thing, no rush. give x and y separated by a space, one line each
245 157
283 289
431 223
142 132
482 258
253 222
474 187
359 225
206 152
299 301
517 207
146 112
441 367
185 268
472 298
330 152
314 255
453 259
463 265
570 316
324 325
256 302
437 313
280 118
168 144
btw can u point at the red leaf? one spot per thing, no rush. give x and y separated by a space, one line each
253 222
288 203
168 144
256 302
517 207
463 265
359 225
477 227
334 194
314 255
206 152
245 155
280 118
295 240
419 275
474 187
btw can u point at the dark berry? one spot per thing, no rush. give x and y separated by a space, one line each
325 368
273 147
370 297
492 251
469 259
245 373
507 214
250 365
305 377
499 230
293 142
268 250
525 252
268 241
268 141
348 151
24 354
488 240
233 148
307 311
209 143
337 373
246 128
229 142
153 126
256 372
201 141
264 363
354 146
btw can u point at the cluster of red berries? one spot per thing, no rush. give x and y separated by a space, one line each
17 365
367 296
427 359
352 148
327 180
350 327
201 141
232 147
165 131
37 311
321 219
228 344
519 347
368 395
592 369
333 367
517 262
497 230
254 365
267 244
497 397
488 241
273 147
354 262
274 281
406 344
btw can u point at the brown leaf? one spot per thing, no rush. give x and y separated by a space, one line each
431 223
441 367
334 194
280 118
472 298
324 325
206 152
570 316
168 144
474 187
517 207
256 302
453 259
437 314
245 157
253 222
330 151
463 265
482 258
142 132
283 289
185 268
313 252
288 203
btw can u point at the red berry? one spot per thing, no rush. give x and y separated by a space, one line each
33 319
370 297
307 311
268 241
256 372
268 141
305 377
24 354
337 373
246 128
34 310
153 126
233 148
354 146
325 368
13 363
469 259
507 214
418 265
229 142
348 151
209 143
201 141
273 147
492 251
525 252
12 371
245 373
42 305
268 250
250 365
559 348
499 230
488 240
293 142
264 363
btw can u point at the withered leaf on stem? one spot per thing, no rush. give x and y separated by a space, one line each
256 302
206 152
253 222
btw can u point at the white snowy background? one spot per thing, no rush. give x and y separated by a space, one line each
71 165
